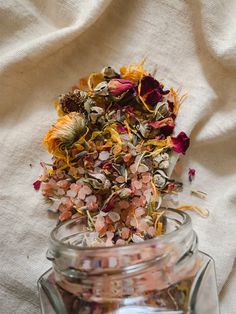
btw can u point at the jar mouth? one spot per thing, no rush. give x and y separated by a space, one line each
179 221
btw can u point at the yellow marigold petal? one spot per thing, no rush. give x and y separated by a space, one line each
83 84
58 108
159 143
94 79
159 228
133 72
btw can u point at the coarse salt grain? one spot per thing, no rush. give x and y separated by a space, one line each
120 179
114 216
104 155
71 193
143 168
139 211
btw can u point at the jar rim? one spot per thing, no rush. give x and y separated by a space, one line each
185 224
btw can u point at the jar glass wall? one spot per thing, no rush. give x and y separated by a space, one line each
166 274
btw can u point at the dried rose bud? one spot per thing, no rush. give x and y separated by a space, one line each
180 143
118 86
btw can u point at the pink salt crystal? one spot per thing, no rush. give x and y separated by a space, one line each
120 179
65 215
48 189
142 200
148 194
92 206
124 204
143 168
109 235
60 192
86 189
63 200
75 187
133 152
138 192
109 242
79 183
99 223
146 178
125 233
91 202
71 193
81 195
91 198
104 155
143 226
62 208
133 222
137 239
151 231
114 216
55 206
136 202
68 203
139 211
133 168
78 203
137 184
64 184
120 242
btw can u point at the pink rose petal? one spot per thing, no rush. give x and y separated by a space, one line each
37 185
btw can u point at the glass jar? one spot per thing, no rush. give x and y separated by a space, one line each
165 275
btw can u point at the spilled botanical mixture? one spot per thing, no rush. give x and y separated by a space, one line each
111 147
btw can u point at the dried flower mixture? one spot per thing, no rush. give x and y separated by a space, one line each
111 148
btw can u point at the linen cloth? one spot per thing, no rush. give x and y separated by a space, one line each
46 46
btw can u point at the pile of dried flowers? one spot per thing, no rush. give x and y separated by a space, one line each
111 148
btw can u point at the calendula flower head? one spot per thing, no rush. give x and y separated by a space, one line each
133 72
64 133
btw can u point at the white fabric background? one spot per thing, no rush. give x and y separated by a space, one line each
45 46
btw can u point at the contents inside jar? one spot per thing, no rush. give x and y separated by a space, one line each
151 276
173 299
